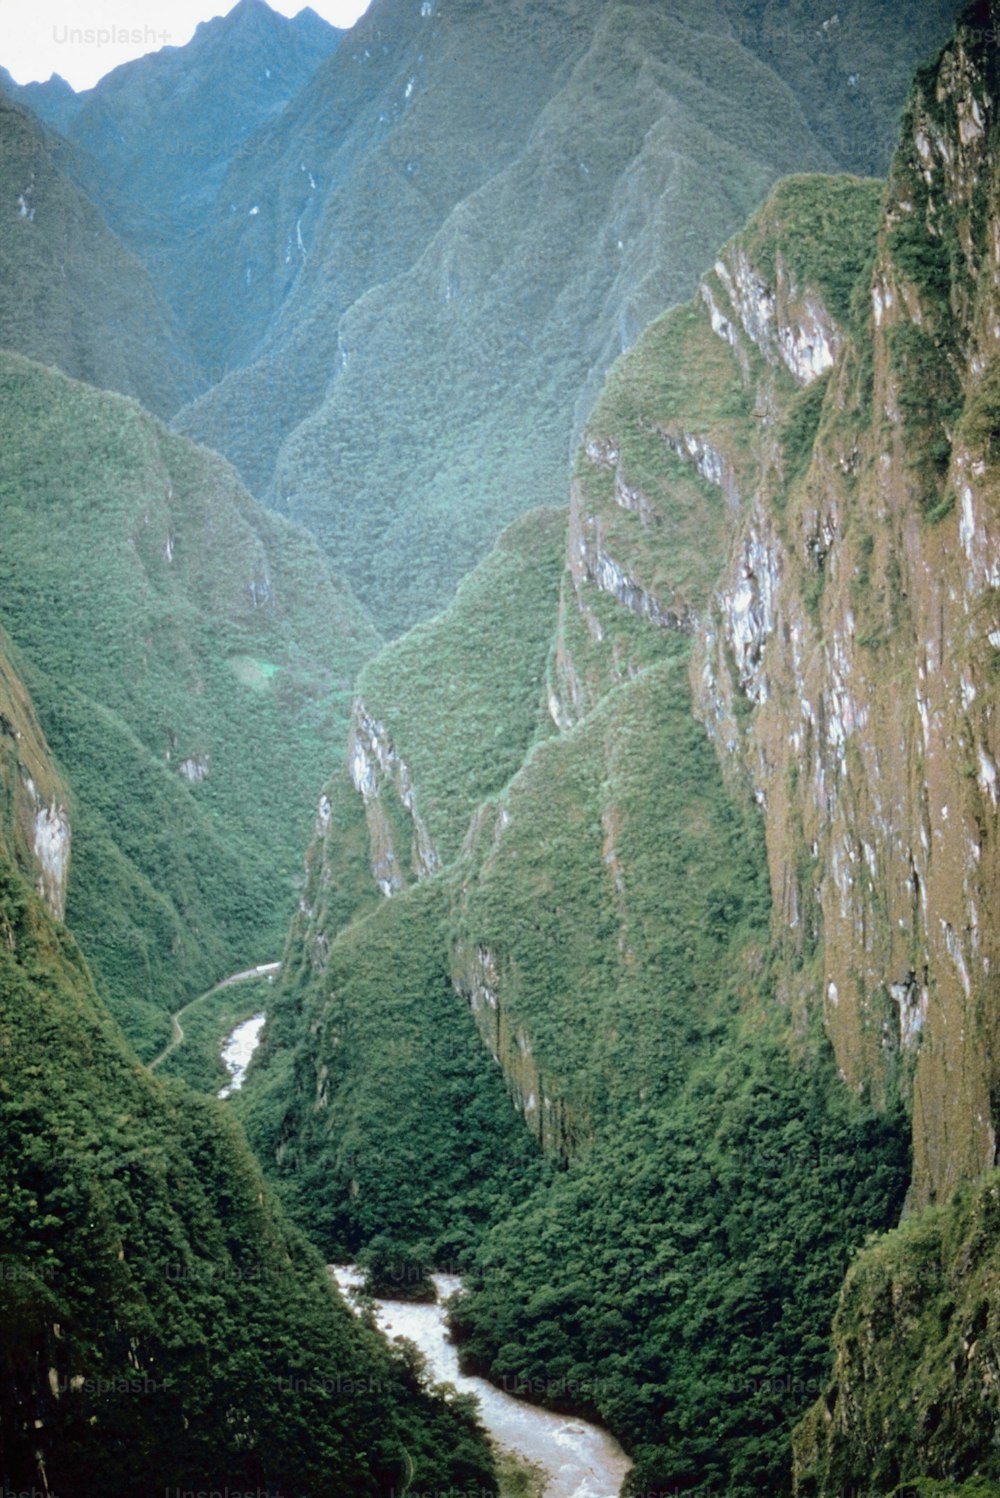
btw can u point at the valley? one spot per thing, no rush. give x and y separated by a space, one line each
499 570
577 1460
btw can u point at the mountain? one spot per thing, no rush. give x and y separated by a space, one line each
157 135
351 184
191 659
388 261
701 825
643 966
161 1323
471 258
527 783
71 294
54 102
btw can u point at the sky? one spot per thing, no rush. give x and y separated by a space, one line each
84 39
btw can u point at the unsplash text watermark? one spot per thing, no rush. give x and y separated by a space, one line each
110 36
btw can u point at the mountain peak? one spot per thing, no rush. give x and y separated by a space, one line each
257 15
307 23
244 14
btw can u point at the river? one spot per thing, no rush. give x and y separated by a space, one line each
238 1050
581 1460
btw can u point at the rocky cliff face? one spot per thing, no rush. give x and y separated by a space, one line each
798 473
378 774
36 833
848 655
844 659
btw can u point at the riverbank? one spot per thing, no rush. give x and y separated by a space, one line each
578 1460
201 1028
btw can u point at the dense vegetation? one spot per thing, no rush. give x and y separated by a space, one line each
191 659
471 266
70 293
618 899
467 688
677 1279
394 1120
575 1060
919 1311
821 231
670 1264
160 1324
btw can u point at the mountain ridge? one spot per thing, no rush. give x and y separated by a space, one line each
493 294
788 484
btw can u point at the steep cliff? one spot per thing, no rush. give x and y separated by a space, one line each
604 921
771 666
845 669
36 827
917 1339
366 1009
848 659
843 656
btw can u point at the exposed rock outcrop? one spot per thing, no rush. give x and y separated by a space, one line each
858 619
378 772
35 830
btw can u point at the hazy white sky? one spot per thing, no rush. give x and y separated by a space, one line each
83 39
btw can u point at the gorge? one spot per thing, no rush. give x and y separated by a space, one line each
542 461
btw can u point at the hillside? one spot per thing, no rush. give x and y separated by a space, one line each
191 659
470 256
157 136
71 294
386 260
578 868
160 1323
732 849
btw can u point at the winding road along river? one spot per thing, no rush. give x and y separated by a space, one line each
582 1461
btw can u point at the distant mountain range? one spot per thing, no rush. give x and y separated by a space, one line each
394 253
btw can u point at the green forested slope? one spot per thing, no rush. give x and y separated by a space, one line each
160 1322
158 135
677 1047
412 116
466 691
191 658
395 1125
671 1264
593 1050
463 293
916 1336
688 1246
71 294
